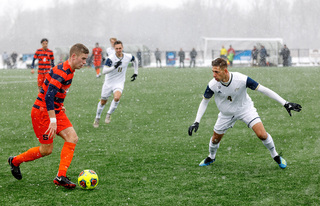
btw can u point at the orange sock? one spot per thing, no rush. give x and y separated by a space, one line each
29 155
66 158
98 71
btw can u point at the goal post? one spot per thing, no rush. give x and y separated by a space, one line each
242 46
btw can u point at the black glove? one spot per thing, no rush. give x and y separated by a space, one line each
117 64
292 106
134 76
194 127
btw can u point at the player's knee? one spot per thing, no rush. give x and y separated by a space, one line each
103 102
74 139
262 135
116 99
46 151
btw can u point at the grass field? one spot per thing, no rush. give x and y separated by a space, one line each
145 157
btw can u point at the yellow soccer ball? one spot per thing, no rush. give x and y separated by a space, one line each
88 179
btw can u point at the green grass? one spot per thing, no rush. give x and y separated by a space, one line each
145 157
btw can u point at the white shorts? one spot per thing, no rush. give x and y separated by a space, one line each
108 89
225 122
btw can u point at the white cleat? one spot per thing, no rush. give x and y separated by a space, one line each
96 123
108 119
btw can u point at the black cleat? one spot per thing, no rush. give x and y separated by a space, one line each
64 181
15 170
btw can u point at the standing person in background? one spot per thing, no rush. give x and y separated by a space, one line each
115 70
45 61
223 52
230 94
285 53
231 53
139 56
254 55
263 56
193 56
49 118
157 54
110 50
97 58
6 60
182 56
14 57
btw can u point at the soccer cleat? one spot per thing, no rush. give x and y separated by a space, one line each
64 181
15 170
108 119
207 161
281 162
96 122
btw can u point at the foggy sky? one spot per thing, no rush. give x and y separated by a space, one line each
160 27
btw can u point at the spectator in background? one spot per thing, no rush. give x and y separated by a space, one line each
223 53
254 56
157 53
231 53
6 60
193 56
14 57
139 56
263 56
182 56
285 53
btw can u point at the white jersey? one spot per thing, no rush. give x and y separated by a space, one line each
118 75
233 98
110 51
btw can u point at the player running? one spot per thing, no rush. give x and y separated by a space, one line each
110 50
45 61
230 94
49 118
97 58
115 70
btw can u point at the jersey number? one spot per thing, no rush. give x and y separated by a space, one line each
119 69
229 98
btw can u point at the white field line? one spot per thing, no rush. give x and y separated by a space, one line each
17 82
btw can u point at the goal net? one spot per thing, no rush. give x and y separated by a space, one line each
243 47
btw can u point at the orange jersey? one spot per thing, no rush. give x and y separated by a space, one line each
97 54
55 87
45 58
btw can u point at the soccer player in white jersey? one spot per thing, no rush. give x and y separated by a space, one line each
230 94
115 70
110 50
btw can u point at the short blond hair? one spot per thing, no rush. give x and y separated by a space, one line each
79 49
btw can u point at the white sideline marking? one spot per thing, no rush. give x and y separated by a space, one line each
15 82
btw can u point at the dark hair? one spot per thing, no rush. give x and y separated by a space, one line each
219 62
79 49
118 42
44 39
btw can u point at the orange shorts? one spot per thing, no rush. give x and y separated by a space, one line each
41 78
97 63
41 121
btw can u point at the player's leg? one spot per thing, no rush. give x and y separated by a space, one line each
105 94
267 140
114 104
223 123
40 120
70 137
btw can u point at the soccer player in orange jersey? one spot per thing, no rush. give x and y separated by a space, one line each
97 58
49 118
45 61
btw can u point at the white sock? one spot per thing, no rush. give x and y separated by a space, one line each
99 110
113 106
270 145
213 149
